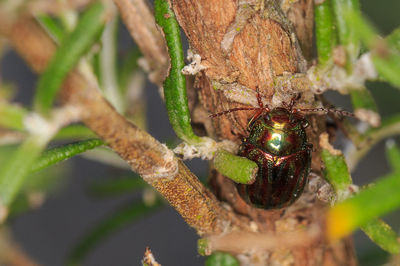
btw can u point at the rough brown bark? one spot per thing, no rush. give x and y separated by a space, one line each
249 44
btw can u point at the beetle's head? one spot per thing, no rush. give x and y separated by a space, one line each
284 119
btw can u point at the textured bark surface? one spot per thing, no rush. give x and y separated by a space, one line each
249 44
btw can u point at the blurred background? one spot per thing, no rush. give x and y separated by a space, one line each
49 233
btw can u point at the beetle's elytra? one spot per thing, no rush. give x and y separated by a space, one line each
277 142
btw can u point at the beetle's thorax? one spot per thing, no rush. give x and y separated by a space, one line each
278 132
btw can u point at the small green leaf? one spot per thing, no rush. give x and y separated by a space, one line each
362 99
62 153
15 170
325 31
237 168
67 55
52 26
12 116
393 155
346 30
394 39
385 58
74 132
336 171
116 221
383 235
221 259
374 201
175 84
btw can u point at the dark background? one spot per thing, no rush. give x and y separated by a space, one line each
50 232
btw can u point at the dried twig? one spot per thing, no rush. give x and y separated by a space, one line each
140 22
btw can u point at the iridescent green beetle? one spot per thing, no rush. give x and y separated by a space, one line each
277 142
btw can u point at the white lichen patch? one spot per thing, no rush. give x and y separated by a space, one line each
346 193
169 169
369 116
38 125
205 149
337 78
241 94
194 66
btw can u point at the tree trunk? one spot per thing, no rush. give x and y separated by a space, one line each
245 45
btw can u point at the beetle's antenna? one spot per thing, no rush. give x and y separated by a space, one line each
326 110
259 100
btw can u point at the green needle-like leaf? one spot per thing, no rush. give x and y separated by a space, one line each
346 30
370 203
394 39
393 154
71 49
17 167
336 171
383 235
62 153
362 99
239 169
12 116
386 58
53 28
324 31
175 84
221 259
116 221
74 132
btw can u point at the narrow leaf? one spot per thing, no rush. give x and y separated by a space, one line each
362 99
12 116
336 171
385 58
383 235
394 39
175 84
53 28
74 132
221 259
67 55
239 169
345 30
324 31
393 155
377 200
17 167
55 155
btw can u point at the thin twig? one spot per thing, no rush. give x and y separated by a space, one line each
140 22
